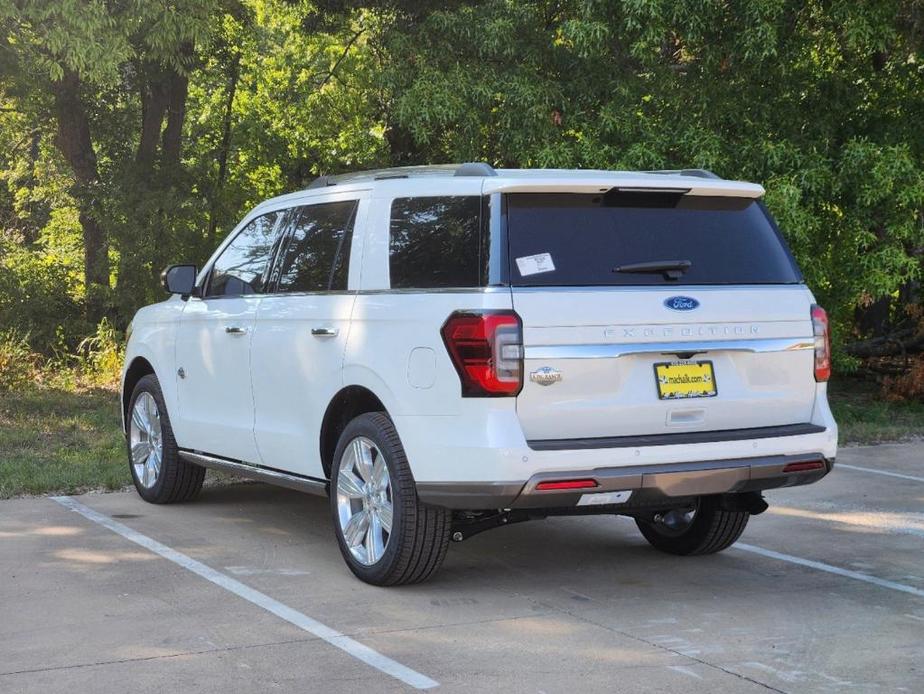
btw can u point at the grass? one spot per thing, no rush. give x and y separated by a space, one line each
56 440
63 441
863 416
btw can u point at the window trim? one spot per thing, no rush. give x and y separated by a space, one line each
207 279
487 241
286 238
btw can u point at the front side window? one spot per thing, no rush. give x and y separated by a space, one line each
435 242
317 254
241 267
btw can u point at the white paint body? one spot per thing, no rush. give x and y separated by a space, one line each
260 396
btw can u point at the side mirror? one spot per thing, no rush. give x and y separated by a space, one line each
180 279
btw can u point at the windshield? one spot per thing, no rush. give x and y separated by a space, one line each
643 238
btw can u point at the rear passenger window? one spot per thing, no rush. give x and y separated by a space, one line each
317 255
435 242
241 266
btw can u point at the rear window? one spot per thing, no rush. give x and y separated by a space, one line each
628 238
435 242
317 255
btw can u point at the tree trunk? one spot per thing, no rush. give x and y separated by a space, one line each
233 78
153 106
177 91
74 142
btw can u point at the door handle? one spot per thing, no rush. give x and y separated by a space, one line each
324 332
235 330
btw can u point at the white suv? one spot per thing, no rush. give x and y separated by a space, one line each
447 349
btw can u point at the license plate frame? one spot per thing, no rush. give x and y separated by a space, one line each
699 369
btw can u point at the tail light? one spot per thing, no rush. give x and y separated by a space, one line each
822 343
486 347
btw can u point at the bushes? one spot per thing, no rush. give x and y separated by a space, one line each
18 363
96 363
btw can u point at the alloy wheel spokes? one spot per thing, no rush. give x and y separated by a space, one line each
364 503
145 440
385 514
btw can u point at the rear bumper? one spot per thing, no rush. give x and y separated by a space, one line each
650 485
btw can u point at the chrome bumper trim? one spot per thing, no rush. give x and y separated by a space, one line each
613 351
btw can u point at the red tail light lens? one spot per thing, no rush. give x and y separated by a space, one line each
486 347
822 343
804 467
565 484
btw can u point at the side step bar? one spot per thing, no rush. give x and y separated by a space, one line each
256 472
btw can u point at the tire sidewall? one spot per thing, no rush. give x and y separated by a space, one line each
684 542
365 426
695 538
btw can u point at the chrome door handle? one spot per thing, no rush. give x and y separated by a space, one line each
235 330
324 332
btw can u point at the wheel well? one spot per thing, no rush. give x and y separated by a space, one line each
139 368
349 403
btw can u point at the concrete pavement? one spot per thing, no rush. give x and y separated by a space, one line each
568 604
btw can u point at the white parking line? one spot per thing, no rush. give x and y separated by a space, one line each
304 622
879 472
821 566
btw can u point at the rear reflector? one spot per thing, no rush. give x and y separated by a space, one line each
804 467
565 484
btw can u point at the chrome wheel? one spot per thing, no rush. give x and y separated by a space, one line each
364 503
145 440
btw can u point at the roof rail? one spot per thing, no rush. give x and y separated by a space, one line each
698 173
321 182
470 169
475 168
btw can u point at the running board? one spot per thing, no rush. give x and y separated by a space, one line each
255 472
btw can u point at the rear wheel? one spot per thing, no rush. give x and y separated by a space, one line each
386 536
159 474
704 528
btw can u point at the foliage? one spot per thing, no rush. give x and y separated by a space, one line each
63 441
97 362
864 416
819 101
908 386
134 134
18 364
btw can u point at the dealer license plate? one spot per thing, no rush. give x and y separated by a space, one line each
685 379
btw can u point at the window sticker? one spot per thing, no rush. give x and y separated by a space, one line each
534 264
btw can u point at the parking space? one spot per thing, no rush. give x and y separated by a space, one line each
826 593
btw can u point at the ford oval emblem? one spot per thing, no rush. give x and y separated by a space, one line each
681 303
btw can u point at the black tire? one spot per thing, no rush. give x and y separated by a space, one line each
419 537
711 530
178 480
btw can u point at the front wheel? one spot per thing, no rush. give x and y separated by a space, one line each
386 536
704 528
159 474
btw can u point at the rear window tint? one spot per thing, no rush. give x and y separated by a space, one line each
435 242
317 255
579 240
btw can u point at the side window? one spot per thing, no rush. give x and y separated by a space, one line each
317 255
435 242
241 266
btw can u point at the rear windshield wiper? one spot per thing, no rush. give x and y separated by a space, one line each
671 269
